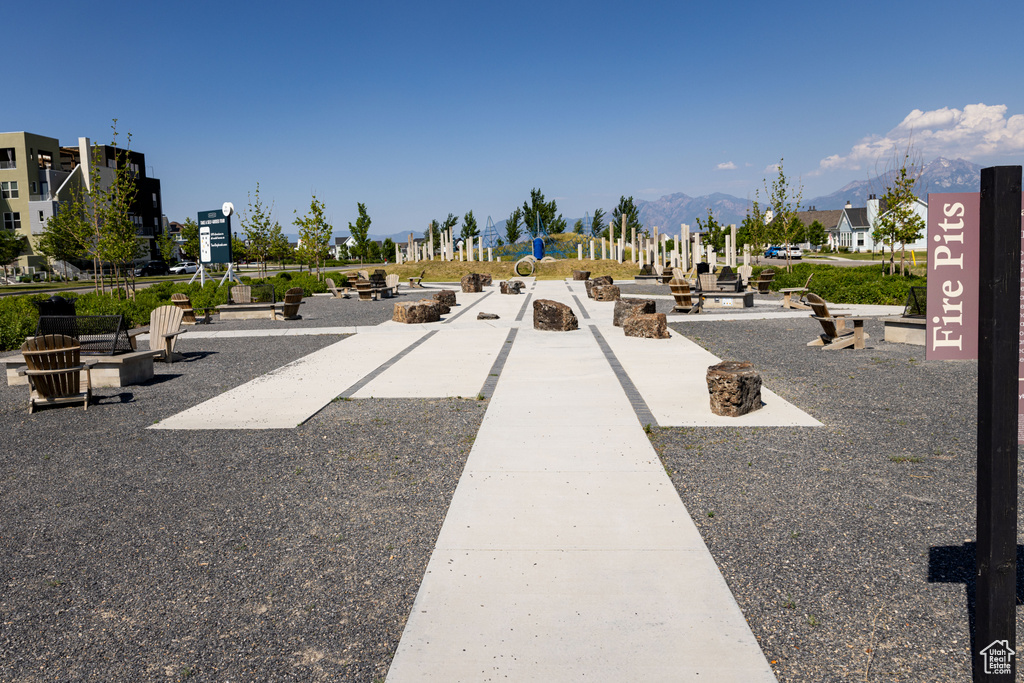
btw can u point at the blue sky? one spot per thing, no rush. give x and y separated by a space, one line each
421 109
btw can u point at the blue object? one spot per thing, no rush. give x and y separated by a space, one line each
538 248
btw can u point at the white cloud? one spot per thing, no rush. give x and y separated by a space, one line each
726 166
977 131
771 168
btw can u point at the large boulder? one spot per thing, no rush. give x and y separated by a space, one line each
606 292
647 325
581 275
597 282
553 316
511 287
734 387
627 308
422 311
485 279
471 283
446 298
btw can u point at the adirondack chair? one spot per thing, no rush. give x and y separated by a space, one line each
181 301
54 369
835 333
728 280
290 307
686 302
762 283
801 302
164 328
335 292
392 283
241 294
708 282
379 282
745 273
417 281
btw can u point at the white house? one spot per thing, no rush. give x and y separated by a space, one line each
856 225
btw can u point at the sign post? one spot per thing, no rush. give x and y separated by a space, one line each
215 242
999 347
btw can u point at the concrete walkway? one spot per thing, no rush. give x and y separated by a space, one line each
566 553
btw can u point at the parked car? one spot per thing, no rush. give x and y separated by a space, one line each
184 267
152 268
773 251
794 253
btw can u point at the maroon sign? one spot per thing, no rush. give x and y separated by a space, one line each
953 230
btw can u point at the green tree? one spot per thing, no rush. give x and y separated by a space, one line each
597 225
714 232
536 208
239 252
167 246
373 254
387 249
469 227
359 232
190 237
753 230
256 227
514 226
577 227
11 246
626 208
68 233
816 234
898 223
314 236
280 249
112 200
784 202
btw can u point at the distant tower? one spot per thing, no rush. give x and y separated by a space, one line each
587 223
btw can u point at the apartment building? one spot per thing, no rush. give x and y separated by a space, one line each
36 174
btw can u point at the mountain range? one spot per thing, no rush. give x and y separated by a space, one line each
669 211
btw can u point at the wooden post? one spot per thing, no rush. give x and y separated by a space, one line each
998 344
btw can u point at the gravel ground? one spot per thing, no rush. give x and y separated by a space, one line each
132 554
849 547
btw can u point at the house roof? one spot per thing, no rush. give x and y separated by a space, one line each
828 219
858 217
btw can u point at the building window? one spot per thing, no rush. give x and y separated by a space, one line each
155 205
44 159
34 187
8 159
9 190
12 221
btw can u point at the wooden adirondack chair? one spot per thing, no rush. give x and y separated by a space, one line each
745 273
835 333
164 328
54 369
392 283
762 283
181 301
801 302
686 302
708 282
290 306
335 292
241 294
417 281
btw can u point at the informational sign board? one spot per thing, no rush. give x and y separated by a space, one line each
214 237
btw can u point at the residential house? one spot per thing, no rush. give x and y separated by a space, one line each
828 219
856 224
